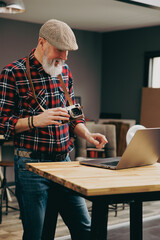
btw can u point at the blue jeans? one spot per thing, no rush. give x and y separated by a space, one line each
40 200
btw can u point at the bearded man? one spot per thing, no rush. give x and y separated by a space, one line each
33 117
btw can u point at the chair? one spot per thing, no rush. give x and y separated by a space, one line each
84 149
5 188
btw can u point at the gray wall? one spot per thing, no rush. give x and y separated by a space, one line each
108 68
123 69
108 81
18 38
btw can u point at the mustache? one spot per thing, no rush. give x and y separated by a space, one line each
56 61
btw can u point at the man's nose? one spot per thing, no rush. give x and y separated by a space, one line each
64 55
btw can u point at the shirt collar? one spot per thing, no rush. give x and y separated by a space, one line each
35 63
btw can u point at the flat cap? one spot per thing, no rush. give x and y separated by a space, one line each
58 34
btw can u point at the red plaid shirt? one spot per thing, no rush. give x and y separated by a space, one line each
16 101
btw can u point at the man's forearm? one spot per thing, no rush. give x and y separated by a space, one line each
81 130
22 125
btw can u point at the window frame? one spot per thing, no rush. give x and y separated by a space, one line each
147 57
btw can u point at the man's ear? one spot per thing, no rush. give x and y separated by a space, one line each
42 42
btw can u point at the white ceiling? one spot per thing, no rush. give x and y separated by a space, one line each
92 15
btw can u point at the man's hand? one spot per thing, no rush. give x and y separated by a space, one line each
97 139
50 117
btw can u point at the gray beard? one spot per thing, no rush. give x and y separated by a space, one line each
50 68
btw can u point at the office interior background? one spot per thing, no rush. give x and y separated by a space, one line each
108 68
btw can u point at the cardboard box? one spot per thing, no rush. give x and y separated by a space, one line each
150 107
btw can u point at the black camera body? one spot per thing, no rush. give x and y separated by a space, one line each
75 111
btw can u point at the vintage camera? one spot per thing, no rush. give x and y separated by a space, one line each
75 111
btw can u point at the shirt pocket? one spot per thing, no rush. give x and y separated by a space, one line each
62 96
31 104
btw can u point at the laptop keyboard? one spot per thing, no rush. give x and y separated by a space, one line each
111 163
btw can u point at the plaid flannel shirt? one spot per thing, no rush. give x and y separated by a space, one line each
16 101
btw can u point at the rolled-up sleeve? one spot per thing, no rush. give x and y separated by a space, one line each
8 106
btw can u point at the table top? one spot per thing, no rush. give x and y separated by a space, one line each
6 163
3 142
93 181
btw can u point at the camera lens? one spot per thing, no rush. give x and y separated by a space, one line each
76 111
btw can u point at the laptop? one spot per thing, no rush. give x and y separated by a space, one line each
143 149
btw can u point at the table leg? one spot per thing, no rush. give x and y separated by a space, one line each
1 199
99 220
136 221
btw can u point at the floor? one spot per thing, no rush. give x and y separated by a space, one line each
118 227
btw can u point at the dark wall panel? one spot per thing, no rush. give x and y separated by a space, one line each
18 38
123 69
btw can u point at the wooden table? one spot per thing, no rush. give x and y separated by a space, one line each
104 187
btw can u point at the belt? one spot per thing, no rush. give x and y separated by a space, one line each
41 156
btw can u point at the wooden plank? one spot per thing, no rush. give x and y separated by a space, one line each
92 181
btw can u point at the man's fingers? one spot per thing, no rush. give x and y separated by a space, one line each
101 145
56 123
98 140
93 141
60 112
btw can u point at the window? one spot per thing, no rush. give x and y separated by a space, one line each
152 70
